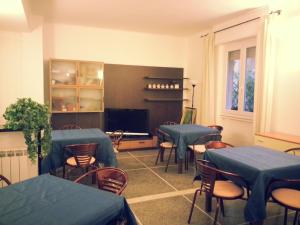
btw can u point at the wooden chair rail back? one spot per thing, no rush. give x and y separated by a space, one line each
217 145
4 179
83 153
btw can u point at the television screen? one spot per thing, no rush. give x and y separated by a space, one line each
131 121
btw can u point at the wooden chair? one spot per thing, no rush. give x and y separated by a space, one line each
286 196
83 156
108 179
217 144
294 151
70 127
4 179
188 116
116 137
217 127
165 141
220 189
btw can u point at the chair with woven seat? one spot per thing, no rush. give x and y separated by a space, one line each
294 151
116 138
5 180
82 156
213 187
108 179
285 195
165 141
70 127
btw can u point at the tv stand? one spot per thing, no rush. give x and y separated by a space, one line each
137 142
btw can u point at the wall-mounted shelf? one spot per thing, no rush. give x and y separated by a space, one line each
165 89
165 78
165 99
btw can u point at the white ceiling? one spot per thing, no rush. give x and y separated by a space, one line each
172 17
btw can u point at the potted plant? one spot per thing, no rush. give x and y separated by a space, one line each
32 118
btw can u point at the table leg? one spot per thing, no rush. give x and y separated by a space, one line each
162 155
179 164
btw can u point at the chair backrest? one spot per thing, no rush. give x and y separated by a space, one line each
217 144
163 136
4 179
207 138
116 137
169 123
217 127
112 179
108 179
70 127
188 115
208 175
294 151
82 153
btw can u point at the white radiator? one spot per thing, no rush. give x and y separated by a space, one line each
14 163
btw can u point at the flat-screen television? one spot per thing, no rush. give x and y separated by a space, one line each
131 121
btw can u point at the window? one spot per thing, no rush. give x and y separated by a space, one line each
240 78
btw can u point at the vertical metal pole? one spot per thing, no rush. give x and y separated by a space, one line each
39 153
192 103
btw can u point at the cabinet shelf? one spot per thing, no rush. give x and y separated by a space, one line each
165 99
165 89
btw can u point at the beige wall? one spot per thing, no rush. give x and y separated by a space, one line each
21 73
115 47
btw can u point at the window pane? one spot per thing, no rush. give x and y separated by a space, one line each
233 78
249 80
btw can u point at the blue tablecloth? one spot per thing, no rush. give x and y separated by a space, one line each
186 134
49 200
257 165
60 138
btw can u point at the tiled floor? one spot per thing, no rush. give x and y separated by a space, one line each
159 198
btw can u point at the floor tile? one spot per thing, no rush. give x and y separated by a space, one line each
143 182
168 211
129 163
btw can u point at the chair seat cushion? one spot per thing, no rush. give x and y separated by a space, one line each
287 196
167 145
72 162
227 189
197 148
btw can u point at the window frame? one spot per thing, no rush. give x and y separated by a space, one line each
241 45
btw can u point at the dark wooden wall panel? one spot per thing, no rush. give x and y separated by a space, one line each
125 88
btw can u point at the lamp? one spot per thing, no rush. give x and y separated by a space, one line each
193 82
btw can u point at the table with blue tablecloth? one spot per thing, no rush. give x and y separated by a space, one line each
258 166
50 200
60 138
184 135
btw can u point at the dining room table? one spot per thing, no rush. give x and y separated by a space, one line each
184 135
50 200
258 166
60 138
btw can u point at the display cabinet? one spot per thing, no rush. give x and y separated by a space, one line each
76 86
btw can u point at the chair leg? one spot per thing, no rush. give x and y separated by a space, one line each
193 204
222 207
217 211
64 171
285 216
158 155
166 169
295 218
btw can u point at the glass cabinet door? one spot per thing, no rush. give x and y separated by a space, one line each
90 73
63 73
63 100
90 100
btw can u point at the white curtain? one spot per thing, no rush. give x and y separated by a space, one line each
265 75
207 102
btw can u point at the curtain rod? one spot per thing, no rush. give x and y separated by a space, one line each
238 24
